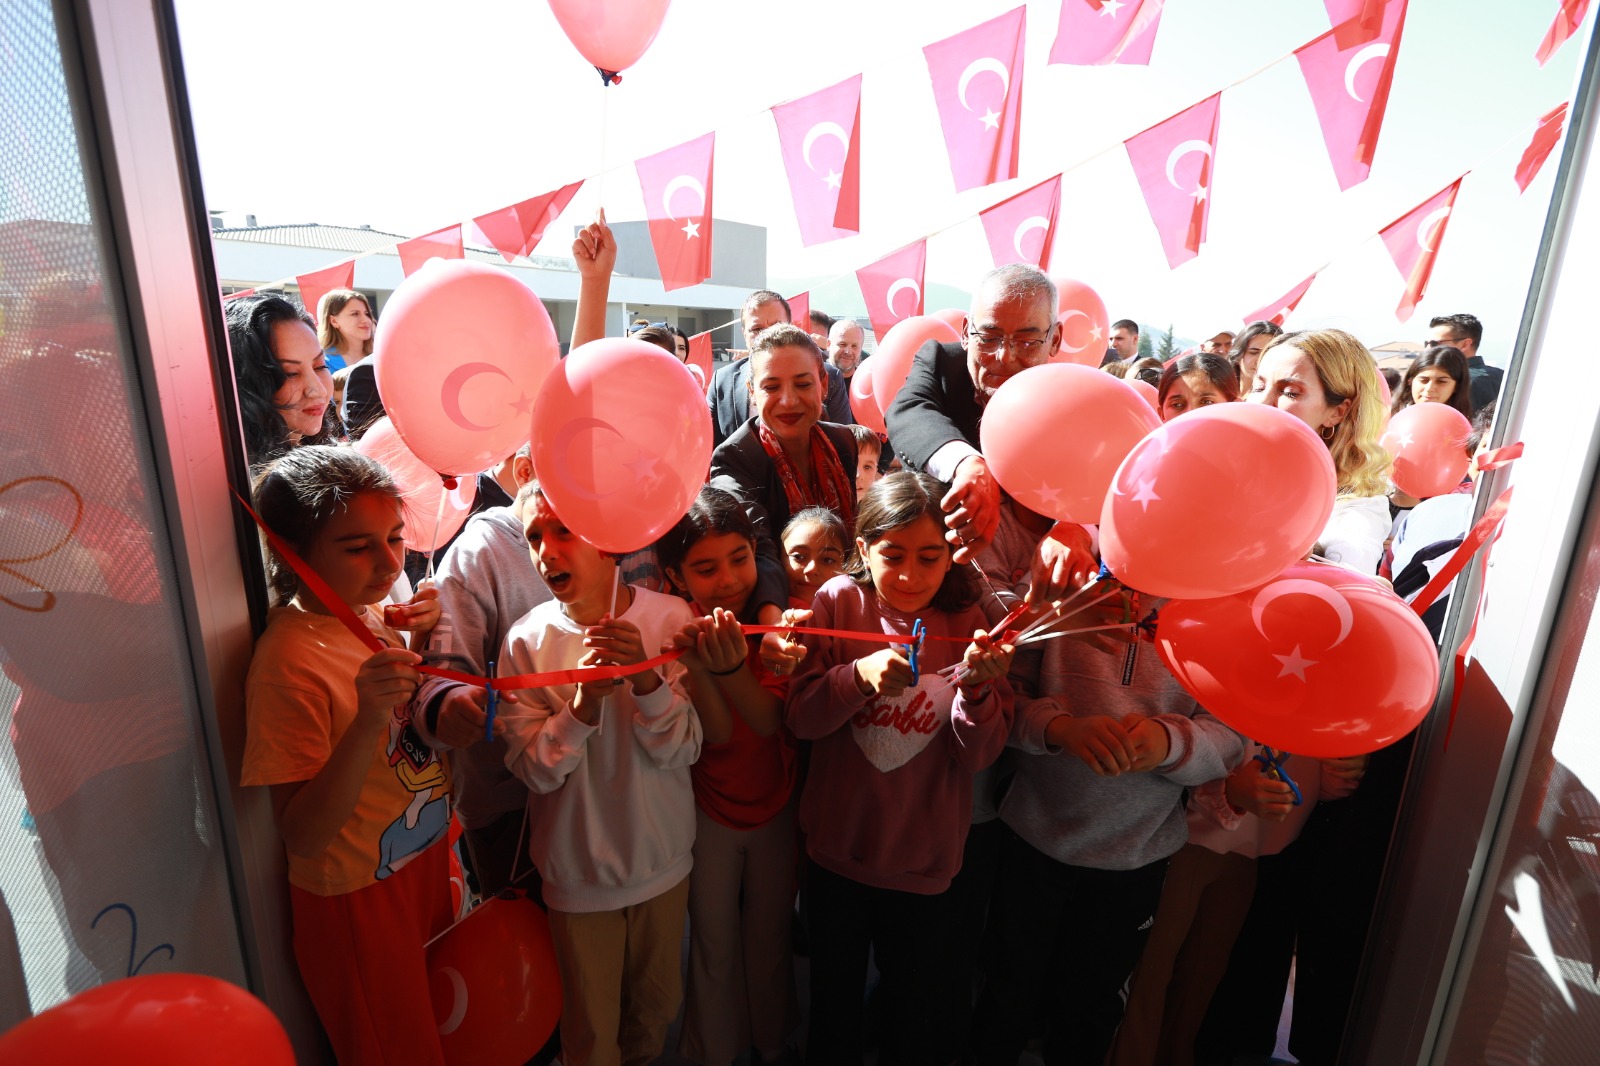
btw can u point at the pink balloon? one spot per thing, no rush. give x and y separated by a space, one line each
433 511
891 363
1384 392
1216 502
1320 661
461 352
1149 392
953 317
621 442
863 404
611 34
1085 326
1053 436
1429 445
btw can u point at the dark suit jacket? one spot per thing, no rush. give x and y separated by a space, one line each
936 405
361 406
729 397
740 465
1485 381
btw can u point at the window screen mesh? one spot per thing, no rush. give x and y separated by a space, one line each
109 860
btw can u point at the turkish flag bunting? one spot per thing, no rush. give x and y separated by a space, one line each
1545 139
1568 18
515 230
977 83
820 136
700 356
884 286
1413 243
1355 22
442 244
677 201
1350 89
1093 32
1278 311
1012 223
313 285
1173 161
800 311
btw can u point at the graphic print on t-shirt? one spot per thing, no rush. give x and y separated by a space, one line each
890 732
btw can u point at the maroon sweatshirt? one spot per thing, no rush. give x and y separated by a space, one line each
888 798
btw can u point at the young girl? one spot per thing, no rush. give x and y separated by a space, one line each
815 546
362 803
888 797
742 887
1438 375
1196 381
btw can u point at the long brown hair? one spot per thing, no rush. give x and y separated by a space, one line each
331 304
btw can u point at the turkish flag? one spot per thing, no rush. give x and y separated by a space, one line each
1011 223
977 83
515 230
1355 22
1413 243
677 201
441 244
1350 89
820 136
1545 138
885 283
1279 310
315 284
1094 32
800 310
1568 18
700 356
1173 161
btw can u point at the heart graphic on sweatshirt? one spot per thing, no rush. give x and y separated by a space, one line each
891 732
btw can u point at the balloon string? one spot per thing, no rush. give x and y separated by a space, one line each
438 524
1059 615
605 117
1074 632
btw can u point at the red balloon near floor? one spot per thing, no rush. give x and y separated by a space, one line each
167 1019
496 990
1320 661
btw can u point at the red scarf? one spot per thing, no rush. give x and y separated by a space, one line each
835 489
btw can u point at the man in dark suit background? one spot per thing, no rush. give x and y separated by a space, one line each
729 394
933 420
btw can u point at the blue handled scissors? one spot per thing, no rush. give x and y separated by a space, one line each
1272 763
494 700
919 633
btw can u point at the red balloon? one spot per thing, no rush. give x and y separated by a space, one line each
1054 434
1216 502
1085 326
1429 445
953 317
461 352
167 1019
621 442
1320 661
496 989
611 34
428 525
863 404
1148 392
891 363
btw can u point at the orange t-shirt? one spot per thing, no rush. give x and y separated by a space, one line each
300 697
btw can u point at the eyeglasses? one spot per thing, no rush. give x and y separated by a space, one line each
990 343
1451 341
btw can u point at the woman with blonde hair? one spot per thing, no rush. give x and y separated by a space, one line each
344 327
1328 380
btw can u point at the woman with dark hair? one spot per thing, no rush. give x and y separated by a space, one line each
345 327
680 345
1247 349
1438 375
1191 382
660 336
285 390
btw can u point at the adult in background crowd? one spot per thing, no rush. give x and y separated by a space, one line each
1464 333
1124 341
1218 344
820 325
934 417
1247 349
729 395
344 328
285 389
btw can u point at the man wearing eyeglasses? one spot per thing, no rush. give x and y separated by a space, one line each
1463 332
933 420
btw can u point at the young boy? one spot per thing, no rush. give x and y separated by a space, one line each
612 812
869 451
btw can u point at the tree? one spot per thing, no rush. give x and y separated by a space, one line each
1168 349
1145 347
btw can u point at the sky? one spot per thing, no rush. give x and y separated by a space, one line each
409 116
